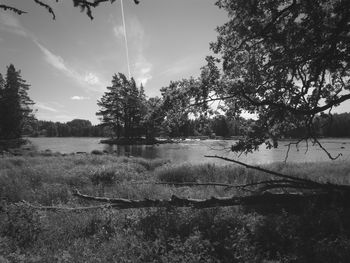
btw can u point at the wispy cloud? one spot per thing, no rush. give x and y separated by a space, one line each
52 111
45 107
11 23
182 66
87 80
55 117
79 98
141 68
91 79
54 60
118 31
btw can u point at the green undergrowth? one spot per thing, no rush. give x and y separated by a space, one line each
230 234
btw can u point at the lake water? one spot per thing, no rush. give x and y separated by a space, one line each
194 151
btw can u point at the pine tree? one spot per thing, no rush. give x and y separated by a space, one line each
15 107
123 107
2 87
111 105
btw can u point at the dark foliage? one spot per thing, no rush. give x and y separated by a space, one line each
15 105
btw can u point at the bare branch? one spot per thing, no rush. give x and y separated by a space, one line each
296 181
192 184
265 170
83 4
298 111
60 208
47 7
13 9
325 150
289 145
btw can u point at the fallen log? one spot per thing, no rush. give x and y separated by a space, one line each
266 199
268 195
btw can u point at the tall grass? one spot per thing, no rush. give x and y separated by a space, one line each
158 234
334 172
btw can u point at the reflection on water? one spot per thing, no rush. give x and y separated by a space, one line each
194 151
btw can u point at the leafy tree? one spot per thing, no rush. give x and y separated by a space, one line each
15 105
219 126
111 107
285 61
80 128
122 107
176 107
84 5
153 118
51 130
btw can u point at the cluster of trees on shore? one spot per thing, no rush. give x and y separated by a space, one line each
74 128
130 114
219 126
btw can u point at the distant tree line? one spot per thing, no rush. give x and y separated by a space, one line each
219 126
74 128
335 125
212 127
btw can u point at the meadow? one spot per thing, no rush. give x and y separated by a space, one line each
230 234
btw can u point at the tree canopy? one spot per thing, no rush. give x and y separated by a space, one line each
287 62
123 106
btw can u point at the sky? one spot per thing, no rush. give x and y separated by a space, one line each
70 61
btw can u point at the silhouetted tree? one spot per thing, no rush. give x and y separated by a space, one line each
15 105
284 61
123 107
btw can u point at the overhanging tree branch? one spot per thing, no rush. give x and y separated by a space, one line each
296 181
47 7
13 9
83 4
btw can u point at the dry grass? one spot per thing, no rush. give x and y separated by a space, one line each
157 235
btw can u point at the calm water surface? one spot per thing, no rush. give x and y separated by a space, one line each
194 151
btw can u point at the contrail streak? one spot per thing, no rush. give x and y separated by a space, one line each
126 39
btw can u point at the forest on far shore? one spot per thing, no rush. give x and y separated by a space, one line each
217 127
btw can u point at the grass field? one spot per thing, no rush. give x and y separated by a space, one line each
230 234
